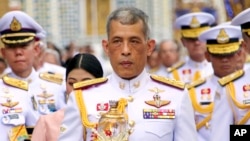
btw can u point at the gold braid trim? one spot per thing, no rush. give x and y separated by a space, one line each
83 111
197 106
203 122
197 76
18 34
176 75
232 94
231 90
17 41
122 103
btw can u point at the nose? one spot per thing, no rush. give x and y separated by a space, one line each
126 51
18 51
225 59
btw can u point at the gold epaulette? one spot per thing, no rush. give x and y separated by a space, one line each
15 82
176 66
231 77
51 77
196 83
88 83
167 81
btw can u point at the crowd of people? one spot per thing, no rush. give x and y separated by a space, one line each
164 94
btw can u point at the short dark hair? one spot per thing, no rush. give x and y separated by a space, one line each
129 16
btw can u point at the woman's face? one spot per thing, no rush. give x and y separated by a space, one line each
76 75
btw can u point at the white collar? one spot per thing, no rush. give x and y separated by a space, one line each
130 86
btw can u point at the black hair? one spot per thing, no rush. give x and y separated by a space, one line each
87 62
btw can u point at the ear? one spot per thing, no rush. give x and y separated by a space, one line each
37 48
105 45
183 41
151 46
207 56
3 52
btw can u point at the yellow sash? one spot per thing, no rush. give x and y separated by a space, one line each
201 109
231 91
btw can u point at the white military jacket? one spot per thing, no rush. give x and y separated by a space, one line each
45 95
191 71
178 127
16 111
202 94
231 105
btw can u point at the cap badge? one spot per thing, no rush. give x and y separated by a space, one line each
194 23
15 25
222 37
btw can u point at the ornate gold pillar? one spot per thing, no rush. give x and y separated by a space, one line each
4 7
96 15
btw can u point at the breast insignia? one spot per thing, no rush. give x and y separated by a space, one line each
157 101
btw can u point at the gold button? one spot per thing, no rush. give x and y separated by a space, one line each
130 99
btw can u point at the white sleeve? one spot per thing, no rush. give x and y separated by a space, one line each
185 125
222 117
71 122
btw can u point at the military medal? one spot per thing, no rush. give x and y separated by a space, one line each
46 103
157 102
44 95
34 103
205 96
101 108
9 103
187 75
158 113
246 89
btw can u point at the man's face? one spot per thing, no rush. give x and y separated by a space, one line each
194 47
224 65
21 58
168 54
246 42
127 48
154 60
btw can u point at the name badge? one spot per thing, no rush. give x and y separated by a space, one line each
13 119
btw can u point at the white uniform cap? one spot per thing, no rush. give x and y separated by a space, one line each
243 20
16 27
222 39
193 24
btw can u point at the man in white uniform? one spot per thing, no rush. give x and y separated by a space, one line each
231 105
196 66
158 109
223 50
18 30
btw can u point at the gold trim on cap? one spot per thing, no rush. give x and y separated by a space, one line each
193 33
17 41
246 31
223 48
222 37
18 34
15 25
194 22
